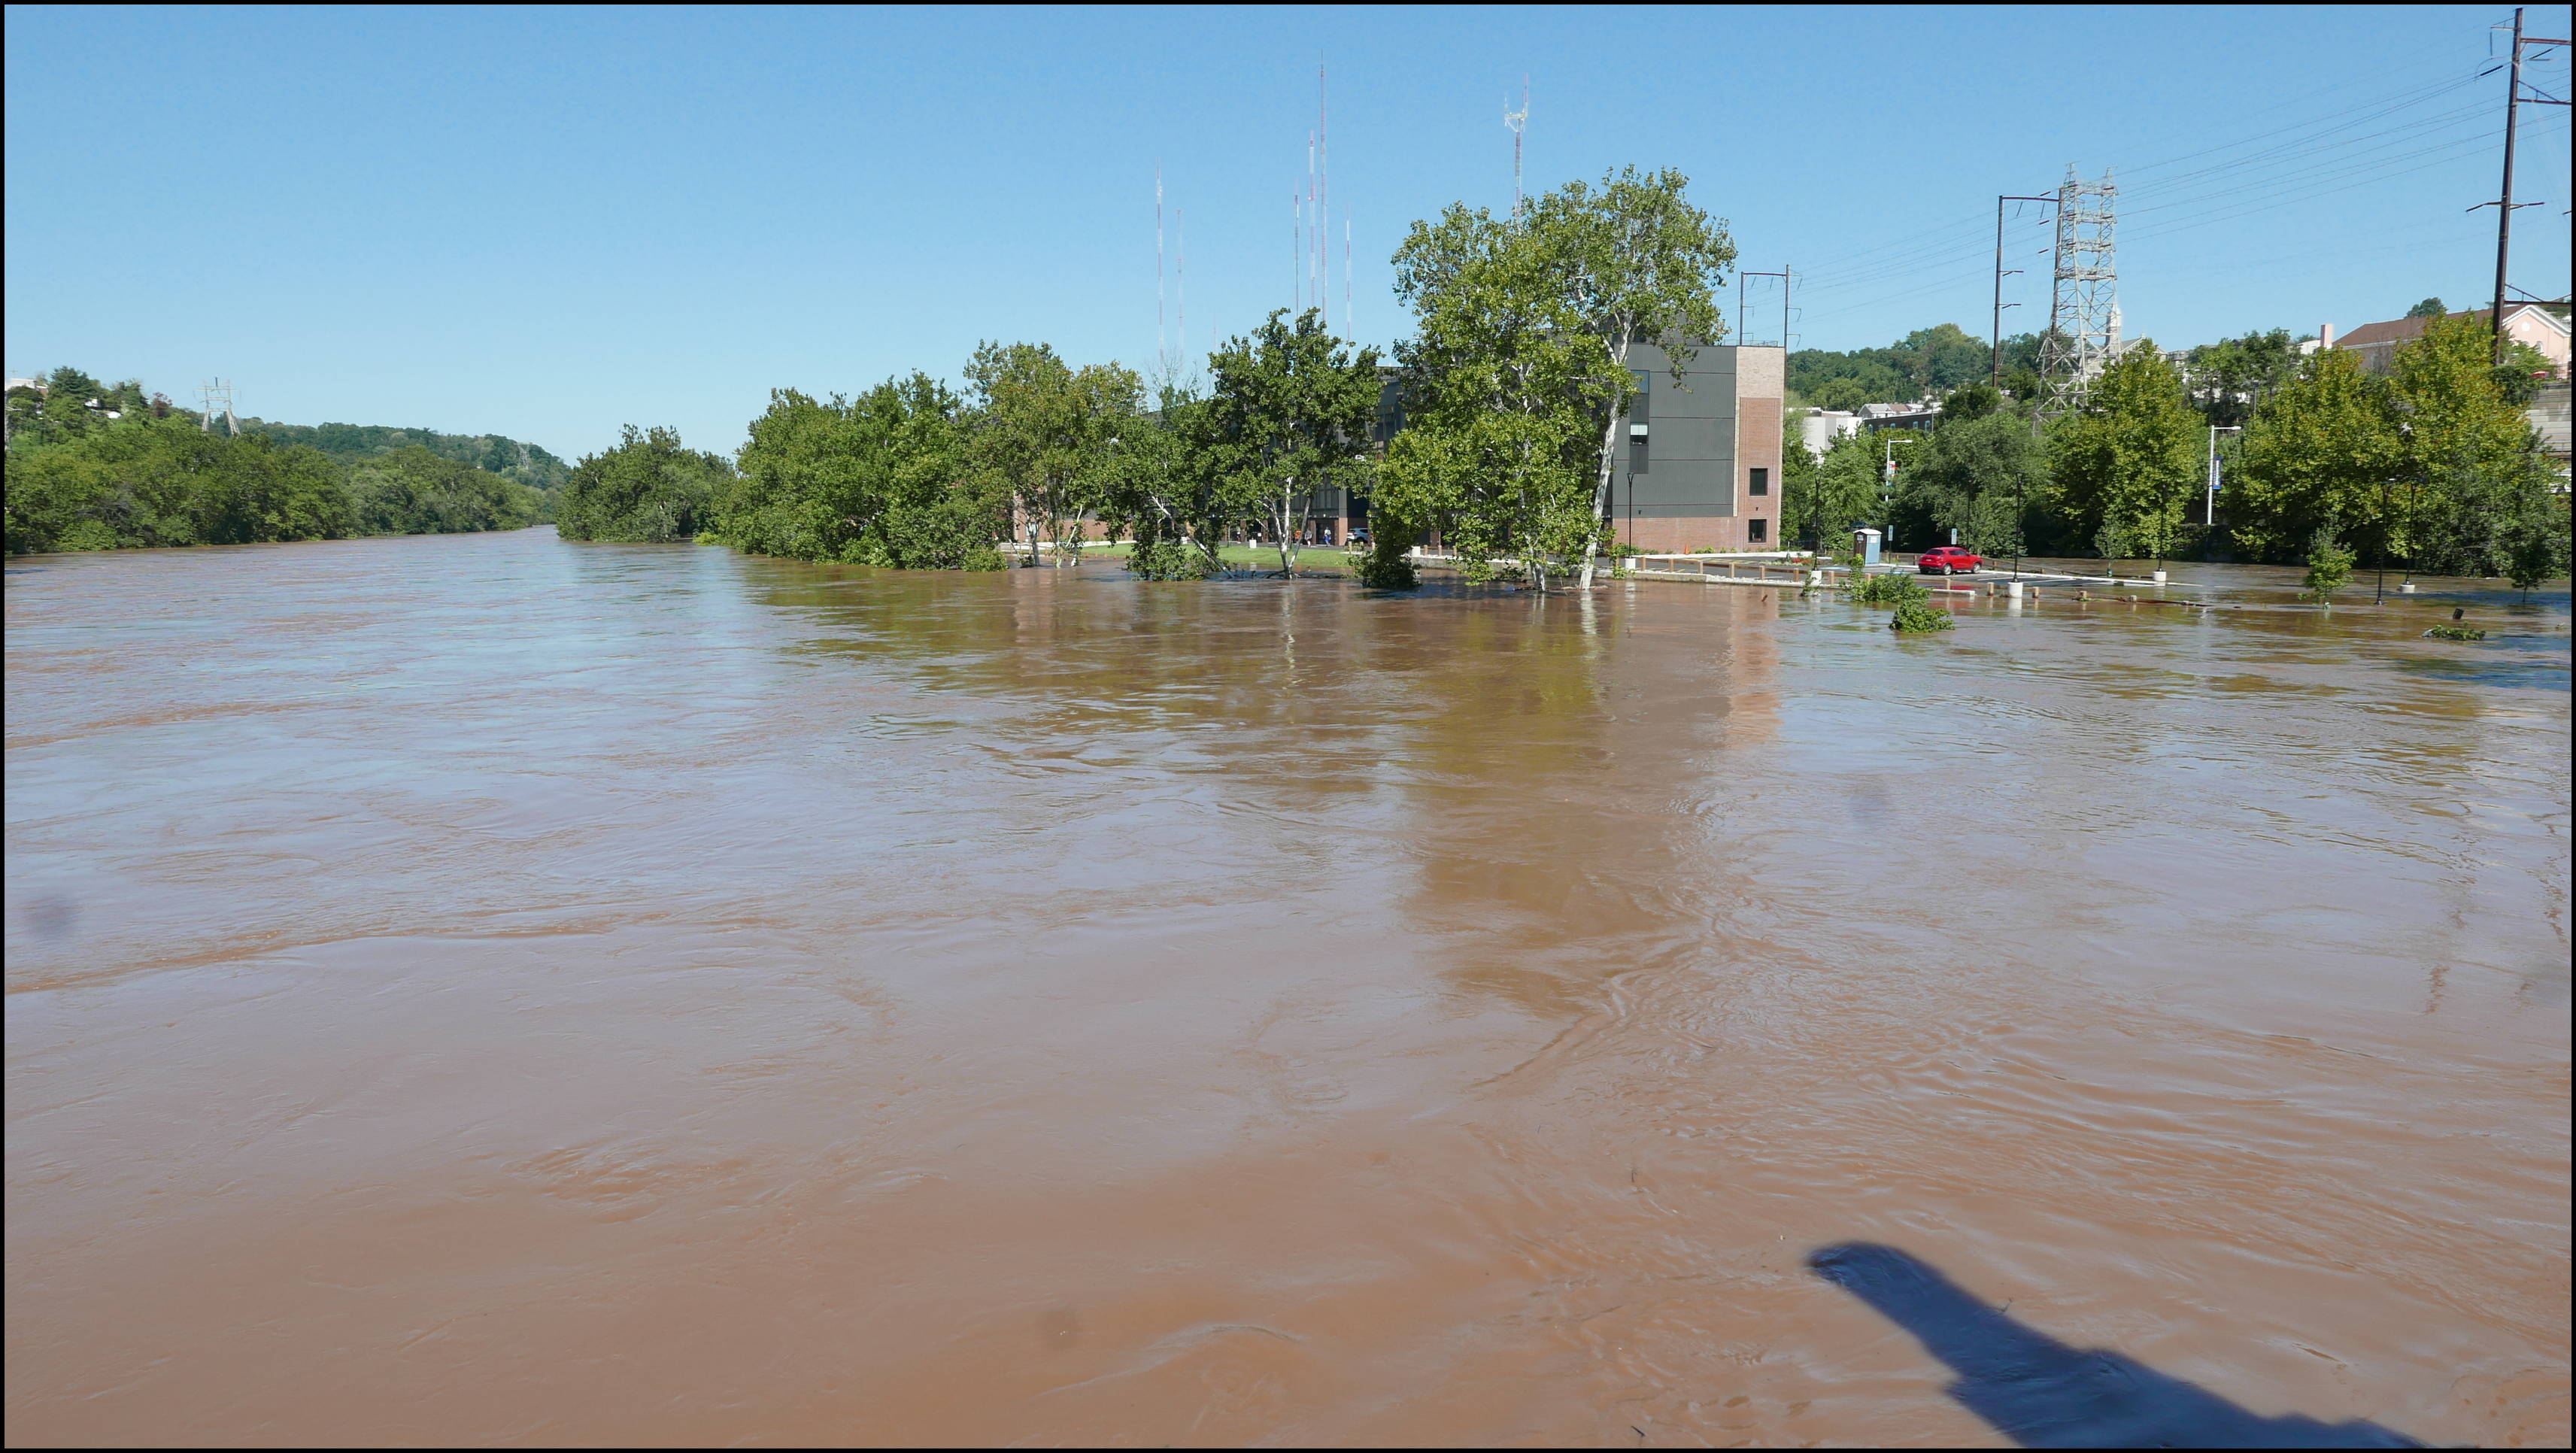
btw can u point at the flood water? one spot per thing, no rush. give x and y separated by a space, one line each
496 990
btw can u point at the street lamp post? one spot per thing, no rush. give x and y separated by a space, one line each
2209 515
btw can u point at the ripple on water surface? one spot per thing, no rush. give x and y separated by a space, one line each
495 989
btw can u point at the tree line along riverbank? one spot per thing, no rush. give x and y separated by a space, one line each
1504 438
1510 387
95 466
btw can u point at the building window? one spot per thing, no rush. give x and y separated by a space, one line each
1637 451
1762 481
1638 412
1757 532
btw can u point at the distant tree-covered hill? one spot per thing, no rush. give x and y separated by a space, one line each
101 466
512 459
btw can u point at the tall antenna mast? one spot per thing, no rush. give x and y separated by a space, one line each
1323 198
1349 328
1314 230
1181 239
1517 121
1162 350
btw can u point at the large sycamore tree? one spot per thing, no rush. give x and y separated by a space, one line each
1635 263
1503 389
1518 374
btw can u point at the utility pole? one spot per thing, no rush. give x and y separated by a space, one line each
1995 347
2504 204
1740 275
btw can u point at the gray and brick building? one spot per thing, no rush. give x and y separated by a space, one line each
1702 466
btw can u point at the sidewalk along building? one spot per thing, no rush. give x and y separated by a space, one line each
1701 470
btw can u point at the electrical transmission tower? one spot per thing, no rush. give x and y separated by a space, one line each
219 399
2084 311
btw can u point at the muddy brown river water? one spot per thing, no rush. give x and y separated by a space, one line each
494 990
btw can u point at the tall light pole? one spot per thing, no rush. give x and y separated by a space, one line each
2209 516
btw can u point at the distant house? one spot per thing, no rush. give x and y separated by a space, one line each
1878 418
1821 427
2541 325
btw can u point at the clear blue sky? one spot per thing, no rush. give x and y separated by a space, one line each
546 223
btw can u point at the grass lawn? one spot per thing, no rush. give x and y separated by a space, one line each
1244 557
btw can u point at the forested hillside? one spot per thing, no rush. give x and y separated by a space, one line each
95 466
512 459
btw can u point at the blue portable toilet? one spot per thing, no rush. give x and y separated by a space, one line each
1866 542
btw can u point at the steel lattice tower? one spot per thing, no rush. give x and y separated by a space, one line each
219 402
2083 314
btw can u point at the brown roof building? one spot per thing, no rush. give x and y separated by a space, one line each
2533 323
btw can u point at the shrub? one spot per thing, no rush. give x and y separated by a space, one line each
1386 567
1890 589
2329 566
2457 633
1167 560
1915 618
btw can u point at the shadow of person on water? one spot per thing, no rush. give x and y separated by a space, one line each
2041 1393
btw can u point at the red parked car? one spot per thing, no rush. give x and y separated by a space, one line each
1947 560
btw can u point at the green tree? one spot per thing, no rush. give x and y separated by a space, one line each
2318 455
2329 566
1164 489
141 481
1978 476
1634 262
2474 477
1835 495
415 492
1843 395
2124 469
1291 407
2429 308
2231 377
869 481
649 489
1503 396
1039 437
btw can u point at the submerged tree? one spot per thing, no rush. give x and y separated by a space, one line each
1635 262
649 489
1504 391
870 480
1289 415
1039 436
2124 469
1162 489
